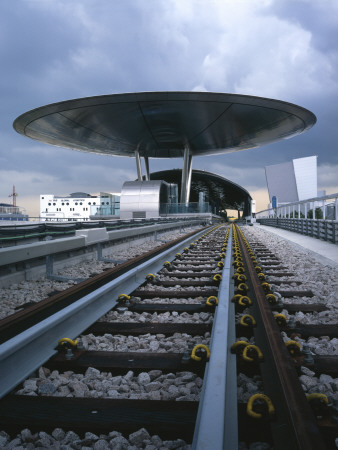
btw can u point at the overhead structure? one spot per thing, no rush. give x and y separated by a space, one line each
165 125
221 193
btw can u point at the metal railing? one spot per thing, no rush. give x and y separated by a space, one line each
315 217
325 207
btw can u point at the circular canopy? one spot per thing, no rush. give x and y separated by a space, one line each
220 192
163 124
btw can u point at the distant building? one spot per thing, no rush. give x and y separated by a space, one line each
78 206
12 213
292 181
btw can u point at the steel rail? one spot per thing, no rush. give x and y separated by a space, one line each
294 426
16 323
216 424
24 353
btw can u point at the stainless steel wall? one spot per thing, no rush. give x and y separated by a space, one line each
140 199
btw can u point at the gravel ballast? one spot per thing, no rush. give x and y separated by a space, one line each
152 385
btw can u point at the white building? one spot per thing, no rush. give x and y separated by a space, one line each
78 206
292 181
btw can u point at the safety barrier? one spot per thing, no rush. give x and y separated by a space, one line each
30 261
317 228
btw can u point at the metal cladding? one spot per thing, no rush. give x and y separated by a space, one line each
163 124
222 193
141 199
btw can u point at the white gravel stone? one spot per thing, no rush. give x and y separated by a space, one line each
246 387
178 343
143 378
139 436
152 386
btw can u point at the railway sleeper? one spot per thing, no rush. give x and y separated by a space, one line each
169 419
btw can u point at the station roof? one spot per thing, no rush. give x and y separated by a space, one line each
162 124
220 192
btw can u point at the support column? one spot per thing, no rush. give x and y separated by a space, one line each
138 165
186 176
146 164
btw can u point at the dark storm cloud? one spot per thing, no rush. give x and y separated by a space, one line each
319 17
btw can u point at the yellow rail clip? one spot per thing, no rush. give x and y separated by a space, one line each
217 277
212 301
250 406
245 300
256 349
293 347
281 320
317 396
150 277
64 341
271 298
247 320
198 346
122 298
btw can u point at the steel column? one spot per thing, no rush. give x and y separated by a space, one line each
138 165
186 176
146 164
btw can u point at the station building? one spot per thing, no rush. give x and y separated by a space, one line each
164 125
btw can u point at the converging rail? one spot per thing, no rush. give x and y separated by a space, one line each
35 345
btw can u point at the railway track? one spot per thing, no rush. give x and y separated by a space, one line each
34 345
163 347
293 421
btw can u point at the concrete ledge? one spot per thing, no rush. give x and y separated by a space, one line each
83 239
93 235
12 255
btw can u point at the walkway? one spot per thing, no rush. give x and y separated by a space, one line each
325 252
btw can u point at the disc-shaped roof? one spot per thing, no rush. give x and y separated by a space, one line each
220 192
162 124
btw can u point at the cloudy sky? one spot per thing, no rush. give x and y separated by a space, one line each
54 50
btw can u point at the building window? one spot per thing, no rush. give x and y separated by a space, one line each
94 203
54 204
80 203
62 204
49 204
43 198
89 203
67 204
